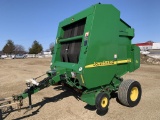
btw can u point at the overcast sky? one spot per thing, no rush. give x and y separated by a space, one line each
24 21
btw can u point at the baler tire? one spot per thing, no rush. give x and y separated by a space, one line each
102 101
129 93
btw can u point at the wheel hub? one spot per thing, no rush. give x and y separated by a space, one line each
134 94
104 102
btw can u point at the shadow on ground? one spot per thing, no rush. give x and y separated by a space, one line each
66 92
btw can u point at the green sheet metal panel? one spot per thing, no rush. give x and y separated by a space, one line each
102 45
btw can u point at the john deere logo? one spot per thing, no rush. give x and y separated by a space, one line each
107 63
104 63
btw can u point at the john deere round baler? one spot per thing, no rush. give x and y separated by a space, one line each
93 51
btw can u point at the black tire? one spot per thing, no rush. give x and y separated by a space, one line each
129 93
102 101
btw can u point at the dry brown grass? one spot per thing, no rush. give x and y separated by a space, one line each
56 103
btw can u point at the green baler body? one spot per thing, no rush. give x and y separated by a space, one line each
105 52
93 50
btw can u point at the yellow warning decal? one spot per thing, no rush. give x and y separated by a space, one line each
82 79
107 63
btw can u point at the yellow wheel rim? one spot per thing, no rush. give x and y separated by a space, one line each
134 94
104 102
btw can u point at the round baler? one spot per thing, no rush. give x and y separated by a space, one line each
93 51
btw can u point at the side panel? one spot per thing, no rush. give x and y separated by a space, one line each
124 47
102 45
135 64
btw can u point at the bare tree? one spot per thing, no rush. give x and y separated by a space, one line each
19 49
51 46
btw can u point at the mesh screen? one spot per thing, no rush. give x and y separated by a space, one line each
74 29
70 51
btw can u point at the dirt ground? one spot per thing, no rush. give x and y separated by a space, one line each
59 103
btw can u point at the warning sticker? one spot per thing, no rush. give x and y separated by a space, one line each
86 34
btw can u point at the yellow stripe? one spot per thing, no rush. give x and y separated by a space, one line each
82 79
107 63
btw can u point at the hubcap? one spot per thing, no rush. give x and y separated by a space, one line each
134 94
104 102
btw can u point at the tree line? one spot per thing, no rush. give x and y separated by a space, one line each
11 48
